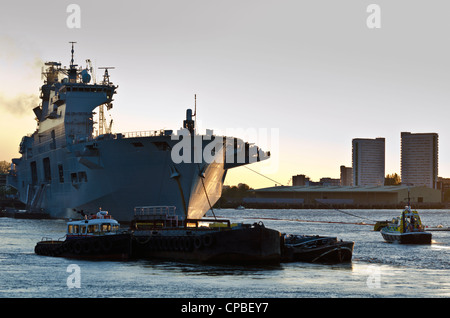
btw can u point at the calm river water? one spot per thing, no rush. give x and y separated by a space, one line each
378 269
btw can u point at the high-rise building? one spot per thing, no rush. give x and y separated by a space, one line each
419 159
368 161
346 176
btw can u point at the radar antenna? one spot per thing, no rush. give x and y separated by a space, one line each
72 71
106 75
102 119
72 51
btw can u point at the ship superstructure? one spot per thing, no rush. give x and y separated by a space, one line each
66 165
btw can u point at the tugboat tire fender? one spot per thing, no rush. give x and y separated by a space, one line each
96 246
198 242
77 247
177 244
106 245
86 247
207 240
187 244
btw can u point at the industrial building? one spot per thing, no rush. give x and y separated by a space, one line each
348 196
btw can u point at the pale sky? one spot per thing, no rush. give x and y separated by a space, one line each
311 70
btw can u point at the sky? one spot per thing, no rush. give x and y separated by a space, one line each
306 76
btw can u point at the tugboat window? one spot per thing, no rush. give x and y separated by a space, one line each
75 229
92 228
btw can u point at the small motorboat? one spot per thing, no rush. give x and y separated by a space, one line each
316 249
96 236
406 229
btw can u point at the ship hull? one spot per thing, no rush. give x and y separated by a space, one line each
256 245
318 250
118 175
407 238
110 247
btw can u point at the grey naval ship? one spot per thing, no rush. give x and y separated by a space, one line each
68 165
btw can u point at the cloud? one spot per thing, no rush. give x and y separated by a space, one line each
20 63
20 105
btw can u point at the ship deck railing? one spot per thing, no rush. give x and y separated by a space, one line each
146 133
156 216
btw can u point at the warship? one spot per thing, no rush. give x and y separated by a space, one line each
69 165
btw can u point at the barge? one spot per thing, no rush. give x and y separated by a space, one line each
159 234
316 249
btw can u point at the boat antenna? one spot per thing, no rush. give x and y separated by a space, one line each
195 105
409 200
72 51
195 110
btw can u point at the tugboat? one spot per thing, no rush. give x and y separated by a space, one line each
159 234
406 229
96 236
316 249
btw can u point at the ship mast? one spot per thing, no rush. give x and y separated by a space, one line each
72 69
101 114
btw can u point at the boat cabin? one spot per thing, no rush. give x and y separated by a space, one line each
93 225
409 221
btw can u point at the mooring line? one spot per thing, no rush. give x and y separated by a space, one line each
307 221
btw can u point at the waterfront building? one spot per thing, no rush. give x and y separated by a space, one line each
348 196
368 161
419 159
346 176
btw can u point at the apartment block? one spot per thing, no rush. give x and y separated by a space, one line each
419 159
368 161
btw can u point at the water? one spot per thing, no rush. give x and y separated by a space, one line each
378 269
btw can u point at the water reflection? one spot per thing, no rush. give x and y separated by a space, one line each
210 269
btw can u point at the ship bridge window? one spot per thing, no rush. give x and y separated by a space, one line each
82 176
162 145
34 178
47 171
61 173
137 144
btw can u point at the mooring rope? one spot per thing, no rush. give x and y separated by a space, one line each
300 220
348 213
